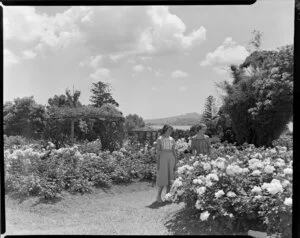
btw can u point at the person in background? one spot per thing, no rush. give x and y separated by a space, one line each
166 161
201 142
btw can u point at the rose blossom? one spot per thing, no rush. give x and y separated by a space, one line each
288 171
256 189
231 194
256 173
198 204
201 190
269 169
204 216
219 194
288 201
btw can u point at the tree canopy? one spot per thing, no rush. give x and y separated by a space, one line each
101 94
260 98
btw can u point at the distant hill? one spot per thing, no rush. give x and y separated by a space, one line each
181 120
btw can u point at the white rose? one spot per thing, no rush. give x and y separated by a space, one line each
168 196
201 190
231 194
204 216
221 165
256 173
180 192
258 197
212 177
195 163
198 205
285 183
288 171
275 188
209 183
288 201
256 189
269 169
206 166
219 194
177 183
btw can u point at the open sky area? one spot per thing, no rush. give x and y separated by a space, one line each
160 61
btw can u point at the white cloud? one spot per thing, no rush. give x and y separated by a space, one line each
116 32
102 74
179 74
154 89
24 24
29 54
157 73
182 89
138 68
138 30
227 53
144 58
9 58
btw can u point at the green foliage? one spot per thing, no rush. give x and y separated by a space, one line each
260 99
285 140
67 100
209 115
133 121
101 94
23 117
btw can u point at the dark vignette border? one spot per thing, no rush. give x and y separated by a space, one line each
296 207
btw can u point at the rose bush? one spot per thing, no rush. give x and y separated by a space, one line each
46 171
245 187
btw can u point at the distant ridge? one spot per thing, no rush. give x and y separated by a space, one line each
191 118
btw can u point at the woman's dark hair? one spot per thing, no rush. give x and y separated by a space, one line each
200 126
165 128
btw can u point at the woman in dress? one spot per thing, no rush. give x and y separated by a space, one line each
200 142
166 160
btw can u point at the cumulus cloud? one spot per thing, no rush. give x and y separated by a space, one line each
29 54
9 58
179 74
157 73
182 89
138 68
102 74
227 53
116 32
24 24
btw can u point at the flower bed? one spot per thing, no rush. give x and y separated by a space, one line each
33 170
242 189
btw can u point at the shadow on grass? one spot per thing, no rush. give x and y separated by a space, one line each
47 201
187 222
184 223
156 205
19 197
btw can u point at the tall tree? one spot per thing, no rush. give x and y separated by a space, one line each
101 94
260 99
255 43
23 117
66 100
210 109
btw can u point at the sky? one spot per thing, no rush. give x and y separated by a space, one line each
160 61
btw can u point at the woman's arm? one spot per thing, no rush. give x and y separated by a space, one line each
174 154
193 148
209 146
158 148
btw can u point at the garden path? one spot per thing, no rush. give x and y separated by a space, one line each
122 210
